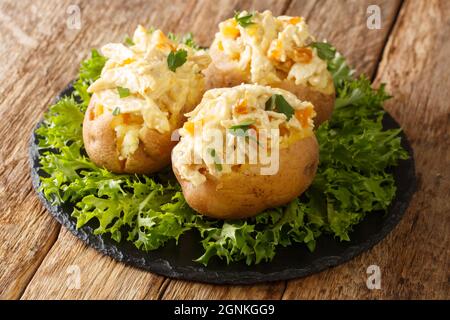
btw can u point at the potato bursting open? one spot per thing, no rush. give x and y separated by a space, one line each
233 125
259 48
273 130
144 89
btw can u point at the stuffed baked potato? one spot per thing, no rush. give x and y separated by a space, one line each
266 120
277 51
139 100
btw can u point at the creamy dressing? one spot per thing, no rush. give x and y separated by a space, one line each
156 93
272 49
223 108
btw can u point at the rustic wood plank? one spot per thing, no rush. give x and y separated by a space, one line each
26 230
37 70
42 56
72 270
413 259
342 23
193 291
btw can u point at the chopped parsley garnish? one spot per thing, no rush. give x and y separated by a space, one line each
213 154
243 126
172 36
128 41
241 130
243 20
123 92
278 103
188 39
325 50
116 111
176 59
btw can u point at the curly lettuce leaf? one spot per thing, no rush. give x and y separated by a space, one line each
90 71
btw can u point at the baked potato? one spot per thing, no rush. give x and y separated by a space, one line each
219 186
262 49
139 100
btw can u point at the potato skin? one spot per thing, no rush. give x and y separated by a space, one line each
246 193
99 138
225 73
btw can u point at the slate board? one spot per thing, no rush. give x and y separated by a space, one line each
292 262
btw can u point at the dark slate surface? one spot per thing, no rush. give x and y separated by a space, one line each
291 262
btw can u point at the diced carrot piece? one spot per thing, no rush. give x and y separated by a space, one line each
127 61
98 110
303 55
231 32
276 52
230 29
295 20
284 131
135 119
241 107
235 55
303 115
126 118
189 127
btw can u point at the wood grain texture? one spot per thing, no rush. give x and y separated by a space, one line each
415 67
414 258
72 270
42 55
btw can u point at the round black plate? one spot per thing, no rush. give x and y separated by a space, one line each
291 262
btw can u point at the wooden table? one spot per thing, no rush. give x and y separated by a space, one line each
41 52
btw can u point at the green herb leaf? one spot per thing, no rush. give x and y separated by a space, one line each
188 39
325 50
278 103
212 153
123 92
116 111
176 59
128 41
243 20
172 36
336 63
244 126
241 130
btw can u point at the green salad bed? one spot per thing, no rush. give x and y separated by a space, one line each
352 179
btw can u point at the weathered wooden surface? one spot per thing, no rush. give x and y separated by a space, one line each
41 56
414 258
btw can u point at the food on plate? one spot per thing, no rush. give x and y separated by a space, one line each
220 186
139 99
355 178
277 51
